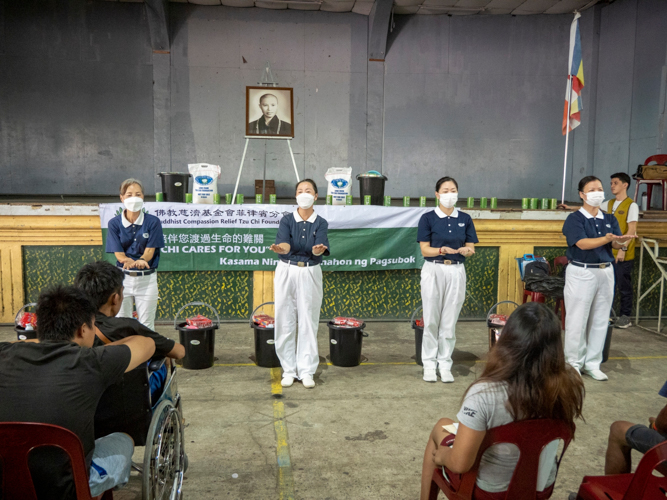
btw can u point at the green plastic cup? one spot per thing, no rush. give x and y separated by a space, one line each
216 199
348 199
533 203
406 201
239 199
525 203
272 199
159 196
367 199
471 202
544 204
422 201
387 201
553 204
329 199
188 197
494 202
259 198
228 198
483 202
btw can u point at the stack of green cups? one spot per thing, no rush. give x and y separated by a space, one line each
387 201
239 199
367 199
406 201
228 198
216 199
159 196
482 202
533 203
272 199
188 197
422 201
348 199
329 199
525 203
471 202
259 198
494 202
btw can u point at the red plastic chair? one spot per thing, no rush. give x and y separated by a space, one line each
560 303
534 296
530 436
17 439
659 160
642 484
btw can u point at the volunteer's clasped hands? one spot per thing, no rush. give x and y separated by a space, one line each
466 251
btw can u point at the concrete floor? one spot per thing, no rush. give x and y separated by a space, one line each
361 432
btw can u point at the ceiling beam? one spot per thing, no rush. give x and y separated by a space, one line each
156 11
378 29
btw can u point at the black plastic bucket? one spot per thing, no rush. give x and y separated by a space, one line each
22 333
373 186
607 340
419 335
345 344
496 329
265 345
174 186
199 343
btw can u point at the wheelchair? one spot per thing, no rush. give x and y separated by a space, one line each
154 421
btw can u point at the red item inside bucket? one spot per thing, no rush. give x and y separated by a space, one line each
420 323
263 320
27 319
199 321
348 322
498 319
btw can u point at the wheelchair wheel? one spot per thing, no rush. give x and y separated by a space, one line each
164 456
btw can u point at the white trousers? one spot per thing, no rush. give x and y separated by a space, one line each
589 293
298 298
443 293
143 290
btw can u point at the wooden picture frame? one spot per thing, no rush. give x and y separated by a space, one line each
275 104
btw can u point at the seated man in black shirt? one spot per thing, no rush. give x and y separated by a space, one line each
59 380
103 283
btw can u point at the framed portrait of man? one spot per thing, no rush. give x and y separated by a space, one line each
269 111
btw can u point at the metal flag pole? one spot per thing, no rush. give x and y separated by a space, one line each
567 132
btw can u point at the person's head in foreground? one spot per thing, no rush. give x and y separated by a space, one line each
268 103
591 191
132 195
65 315
306 193
103 284
529 358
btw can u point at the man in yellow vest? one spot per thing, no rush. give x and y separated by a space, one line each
626 212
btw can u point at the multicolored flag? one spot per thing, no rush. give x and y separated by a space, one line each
575 79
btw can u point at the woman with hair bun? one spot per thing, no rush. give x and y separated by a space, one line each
301 243
446 237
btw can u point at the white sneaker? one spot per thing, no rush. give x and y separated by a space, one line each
446 376
287 381
308 382
596 374
429 375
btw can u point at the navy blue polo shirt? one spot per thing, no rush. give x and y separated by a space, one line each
302 236
442 230
133 239
581 225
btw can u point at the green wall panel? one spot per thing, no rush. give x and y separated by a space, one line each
396 294
48 265
230 292
650 304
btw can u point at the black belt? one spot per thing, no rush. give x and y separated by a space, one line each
447 262
298 263
139 273
599 265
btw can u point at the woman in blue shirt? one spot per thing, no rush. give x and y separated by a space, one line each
446 237
135 237
297 286
589 280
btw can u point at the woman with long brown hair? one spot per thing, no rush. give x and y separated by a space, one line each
525 378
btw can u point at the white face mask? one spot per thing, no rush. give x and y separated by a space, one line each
448 200
595 198
305 200
133 204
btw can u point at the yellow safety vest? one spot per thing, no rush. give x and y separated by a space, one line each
621 215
